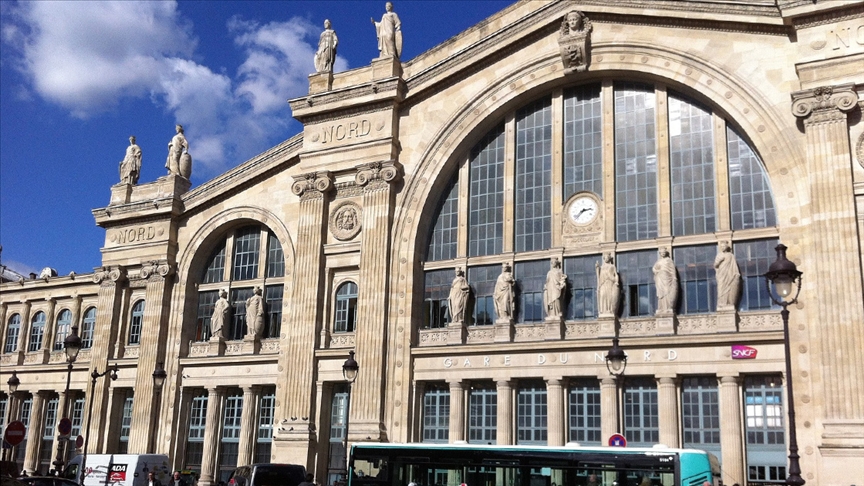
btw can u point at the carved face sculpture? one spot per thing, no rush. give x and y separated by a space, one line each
574 21
388 7
326 24
132 140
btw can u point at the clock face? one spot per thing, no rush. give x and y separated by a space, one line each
583 210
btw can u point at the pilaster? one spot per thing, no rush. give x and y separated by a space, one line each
608 407
731 437
110 280
248 428
457 411
298 341
366 413
215 395
667 398
555 412
505 412
835 256
154 330
34 431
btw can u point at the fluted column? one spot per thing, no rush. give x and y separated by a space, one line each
731 437
211 435
457 411
248 427
298 360
555 412
836 257
110 282
667 398
153 332
49 331
4 326
505 412
609 411
34 432
367 410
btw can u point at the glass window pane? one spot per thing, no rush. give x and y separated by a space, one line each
691 153
442 241
247 241
534 176
635 162
486 201
749 191
583 143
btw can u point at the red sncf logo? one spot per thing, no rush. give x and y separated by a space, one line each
743 352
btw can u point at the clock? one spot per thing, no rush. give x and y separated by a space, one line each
583 209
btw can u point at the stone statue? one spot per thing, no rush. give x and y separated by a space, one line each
325 57
553 291
389 32
221 315
728 277
574 41
130 166
458 296
255 314
666 281
608 287
179 161
504 295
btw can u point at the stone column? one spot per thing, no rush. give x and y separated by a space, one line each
24 330
4 326
34 432
298 361
154 330
609 412
110 280
457 411
367 400
667 400
215 396
248 427
49 332
555 412
731 436
835 256
505 412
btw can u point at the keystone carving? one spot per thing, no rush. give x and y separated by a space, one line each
574 41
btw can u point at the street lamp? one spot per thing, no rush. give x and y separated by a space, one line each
71 346
786 280
350 369
616 363
95 375
13 383
159 376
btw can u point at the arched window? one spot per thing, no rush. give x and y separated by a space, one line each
235 265
64 322
37 330
636 162
346 308
88 325
12 332
136 321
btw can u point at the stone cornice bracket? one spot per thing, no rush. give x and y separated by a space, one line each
312 185
824 104
377 173
109 275
158 269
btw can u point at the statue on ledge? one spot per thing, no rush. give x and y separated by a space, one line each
179 161
389 32
325 57
130 166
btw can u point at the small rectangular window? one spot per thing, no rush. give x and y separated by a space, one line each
483 413
531 414
641 412
247 244
436 414
584 411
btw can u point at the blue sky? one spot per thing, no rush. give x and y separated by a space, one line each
78 78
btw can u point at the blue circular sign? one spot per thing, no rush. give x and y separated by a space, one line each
617 440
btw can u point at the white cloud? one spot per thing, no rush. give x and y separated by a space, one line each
88 56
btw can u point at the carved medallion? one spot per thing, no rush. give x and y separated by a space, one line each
860 150
345 221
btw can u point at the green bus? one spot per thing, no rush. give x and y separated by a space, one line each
385 464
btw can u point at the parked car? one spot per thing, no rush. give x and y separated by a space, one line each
47 481
268 475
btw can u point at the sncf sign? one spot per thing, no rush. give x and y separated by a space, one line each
743 352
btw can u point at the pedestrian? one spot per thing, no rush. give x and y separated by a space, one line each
310 480
151 479
177 480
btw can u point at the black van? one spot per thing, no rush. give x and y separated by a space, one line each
268 475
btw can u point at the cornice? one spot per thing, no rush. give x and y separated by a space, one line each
322 105
827 17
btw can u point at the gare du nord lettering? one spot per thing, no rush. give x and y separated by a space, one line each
346 131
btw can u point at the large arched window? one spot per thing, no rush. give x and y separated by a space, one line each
64 322
603 165
247 257
12 331
88 325
136 322
346 308
37 331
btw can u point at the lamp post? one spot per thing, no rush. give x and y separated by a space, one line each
71 345
786 279
350 368
159 376
13 383
95 375
616 363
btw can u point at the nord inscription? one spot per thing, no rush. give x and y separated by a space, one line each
132 235
346 131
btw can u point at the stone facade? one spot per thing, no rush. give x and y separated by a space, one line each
338 221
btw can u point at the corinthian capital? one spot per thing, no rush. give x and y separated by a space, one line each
824 101
313 183
376 171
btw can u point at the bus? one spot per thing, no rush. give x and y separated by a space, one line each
385 464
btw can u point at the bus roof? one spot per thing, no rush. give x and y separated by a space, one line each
568 448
